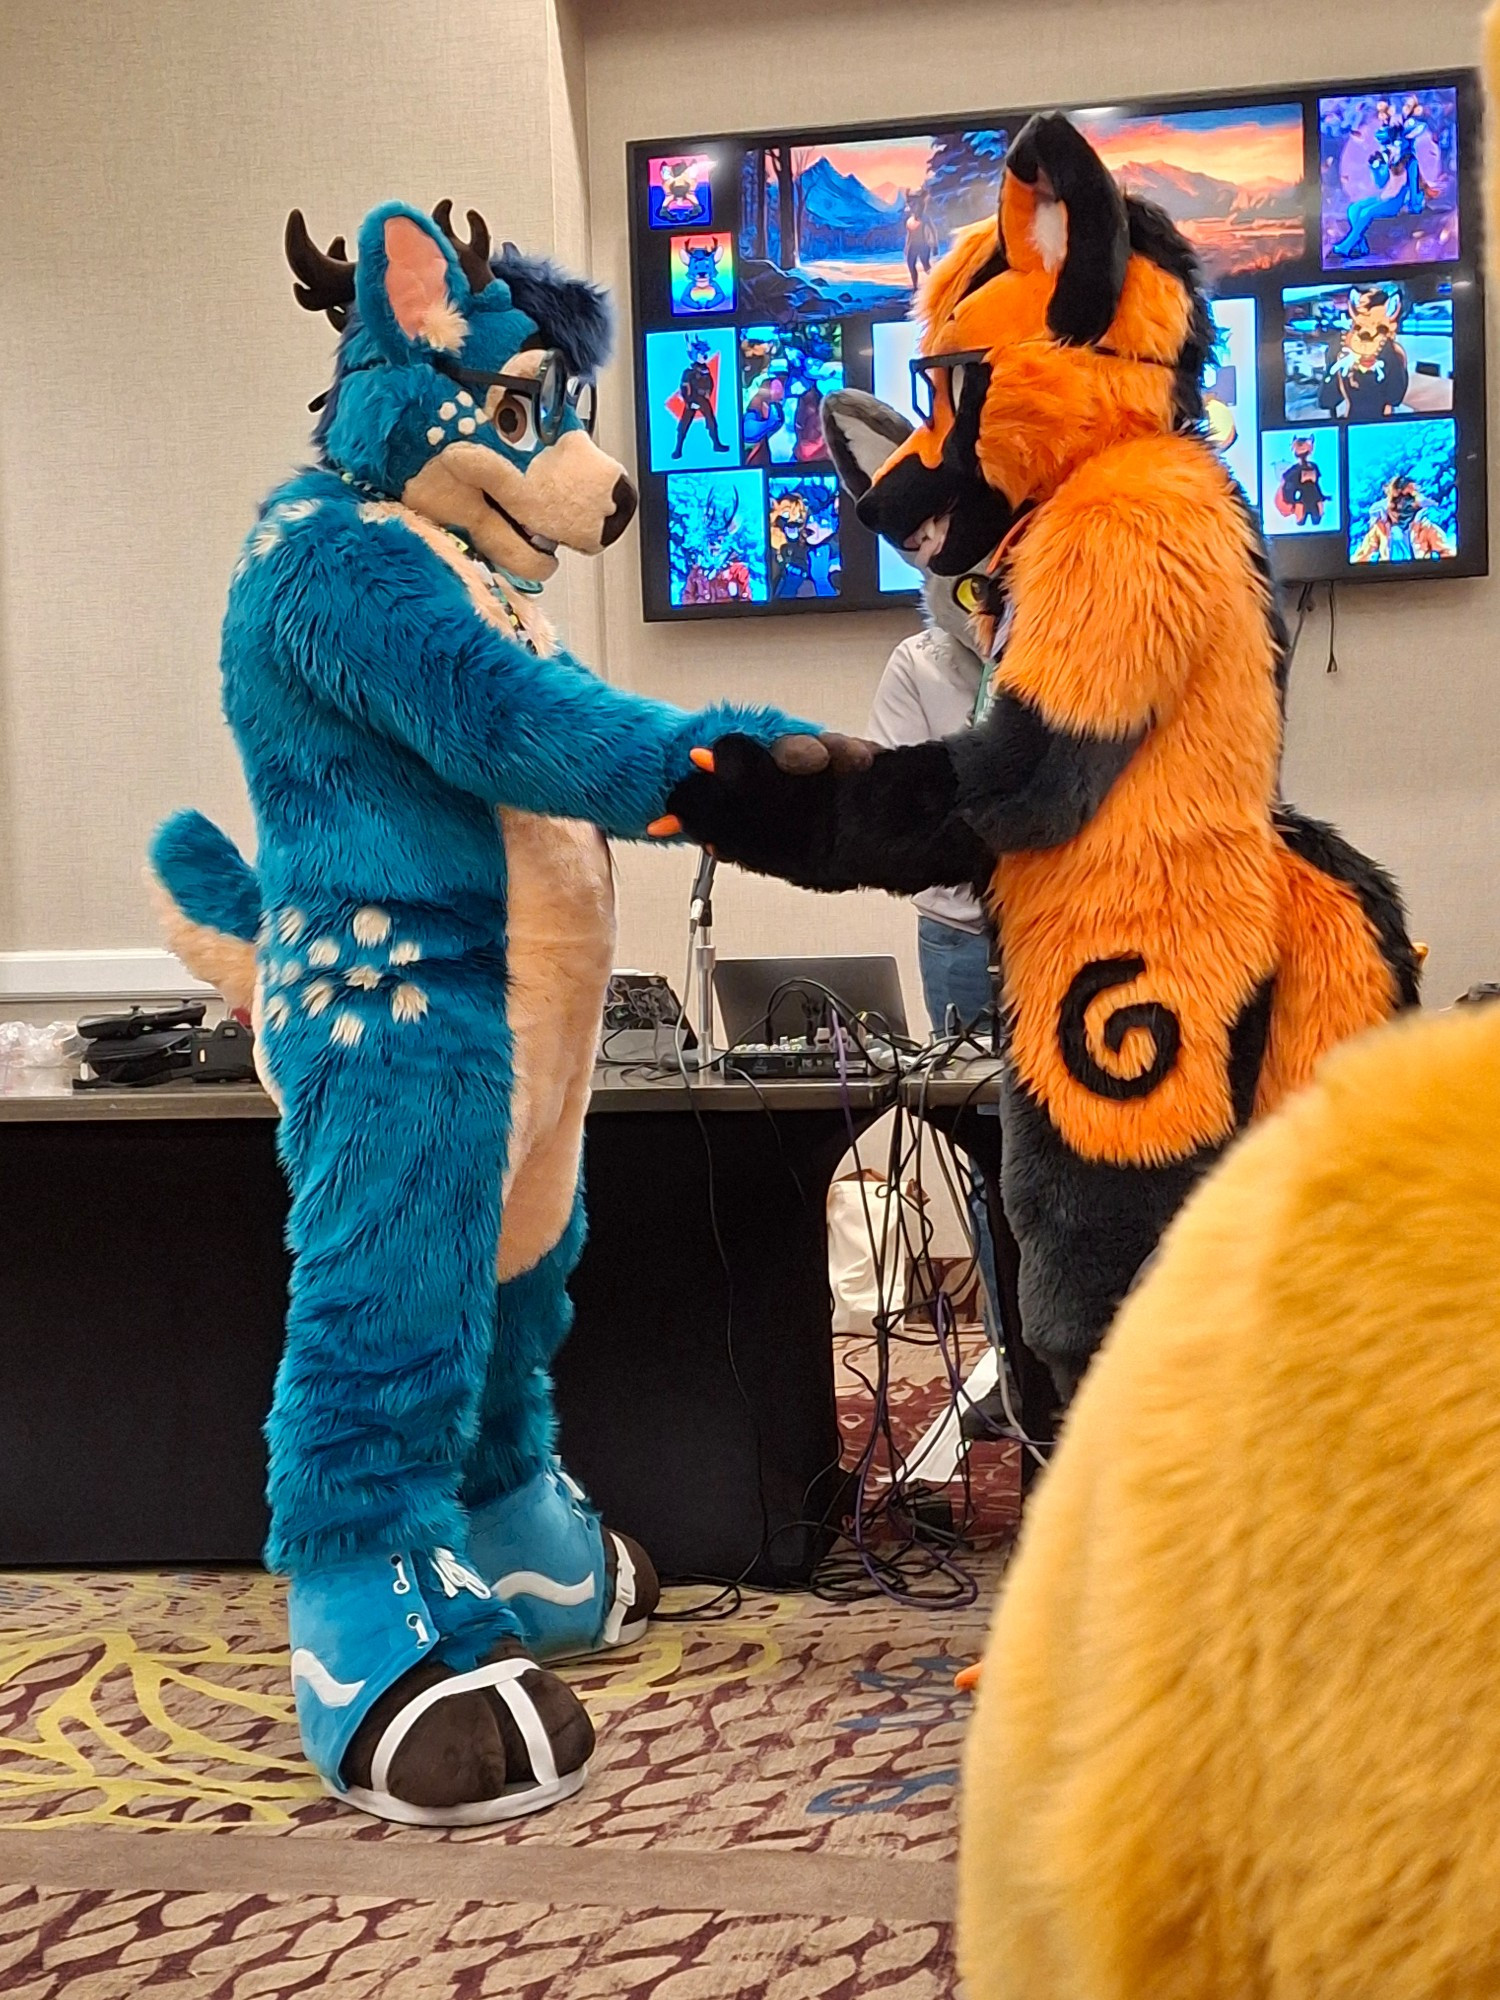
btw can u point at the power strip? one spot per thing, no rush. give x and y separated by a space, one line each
770 1060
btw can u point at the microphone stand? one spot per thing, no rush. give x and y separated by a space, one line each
701 931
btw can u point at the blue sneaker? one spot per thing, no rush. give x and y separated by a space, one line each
574 1585
356 1628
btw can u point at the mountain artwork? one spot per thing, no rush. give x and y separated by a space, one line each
1231 179
854 226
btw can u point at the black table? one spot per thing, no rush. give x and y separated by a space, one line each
143 1290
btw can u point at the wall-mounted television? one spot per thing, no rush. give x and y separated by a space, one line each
1339 229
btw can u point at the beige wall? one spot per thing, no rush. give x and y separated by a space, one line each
152 377
1399 746
154 372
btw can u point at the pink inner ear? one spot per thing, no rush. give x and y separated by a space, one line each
416 274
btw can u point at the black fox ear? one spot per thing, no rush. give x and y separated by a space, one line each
1060 211
861 432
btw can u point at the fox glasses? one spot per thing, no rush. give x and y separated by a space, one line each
551 392
926 367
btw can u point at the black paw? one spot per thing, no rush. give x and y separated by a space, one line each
751 811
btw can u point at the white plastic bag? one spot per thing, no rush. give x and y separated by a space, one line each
867 1250
47 1045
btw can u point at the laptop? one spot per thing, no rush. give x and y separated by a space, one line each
767 999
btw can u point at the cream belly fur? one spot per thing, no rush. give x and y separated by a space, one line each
560 941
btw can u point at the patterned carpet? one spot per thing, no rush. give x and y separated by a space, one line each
770 1812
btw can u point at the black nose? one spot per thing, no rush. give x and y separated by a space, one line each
622 514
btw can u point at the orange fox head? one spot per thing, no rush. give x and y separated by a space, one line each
1073 321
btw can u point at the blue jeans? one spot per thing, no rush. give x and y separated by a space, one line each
955 968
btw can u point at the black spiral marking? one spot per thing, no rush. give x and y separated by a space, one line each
1072 1030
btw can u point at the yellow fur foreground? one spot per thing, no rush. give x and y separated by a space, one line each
1239 1728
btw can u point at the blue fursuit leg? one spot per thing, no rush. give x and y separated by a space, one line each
393 1137
572 1583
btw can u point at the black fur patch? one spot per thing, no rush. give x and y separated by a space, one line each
1072 1031
1086 294
1024 784
1085 1229
993 265
1247 1050
1379 898
898 503
1154 235
1260 562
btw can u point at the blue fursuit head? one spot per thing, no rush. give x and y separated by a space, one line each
424 942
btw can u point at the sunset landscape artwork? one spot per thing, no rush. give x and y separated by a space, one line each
1232 179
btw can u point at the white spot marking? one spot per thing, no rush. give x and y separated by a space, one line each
368 976
323 951
1049 232
299 510
318 996
291 972
466 424
448 412
290 926
407 952
277 1010
265 538
347 1029
371 926
466 399
374 510
408 1003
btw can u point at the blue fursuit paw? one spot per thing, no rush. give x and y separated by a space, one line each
417 1699
573 1585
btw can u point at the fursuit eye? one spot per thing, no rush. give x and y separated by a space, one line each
513 419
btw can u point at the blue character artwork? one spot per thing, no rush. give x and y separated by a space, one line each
785 374
690 389
804 536
716 537
702 274
424 941
1403 492
1389 165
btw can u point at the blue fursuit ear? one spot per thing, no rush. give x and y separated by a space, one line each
573 314
409 284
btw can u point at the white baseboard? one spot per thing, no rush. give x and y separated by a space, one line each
154 974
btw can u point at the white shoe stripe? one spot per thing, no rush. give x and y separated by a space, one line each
532 1583
397 1729
624 1592
533 1731
308 1667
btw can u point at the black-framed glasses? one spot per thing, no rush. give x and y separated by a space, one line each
551 392
924 367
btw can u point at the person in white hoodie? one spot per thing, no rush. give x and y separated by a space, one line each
933 685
